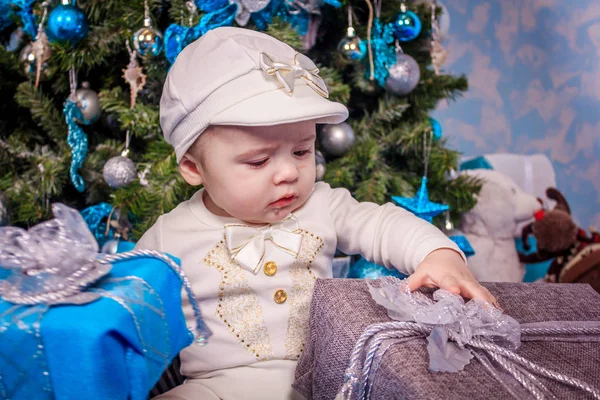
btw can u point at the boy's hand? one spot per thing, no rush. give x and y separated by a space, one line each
445 269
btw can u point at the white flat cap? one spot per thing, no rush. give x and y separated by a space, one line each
235 76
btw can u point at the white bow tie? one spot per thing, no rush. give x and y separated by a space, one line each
246 244
302 67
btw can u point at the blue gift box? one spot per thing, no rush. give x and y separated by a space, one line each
113 348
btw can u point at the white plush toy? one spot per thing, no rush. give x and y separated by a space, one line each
492 225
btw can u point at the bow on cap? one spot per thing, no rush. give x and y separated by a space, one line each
246 244
302 67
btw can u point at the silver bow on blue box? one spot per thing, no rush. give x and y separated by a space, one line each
457 332
51 263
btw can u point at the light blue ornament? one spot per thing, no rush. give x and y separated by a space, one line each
406 26
67 24
363 269
420 204
436 129
78 141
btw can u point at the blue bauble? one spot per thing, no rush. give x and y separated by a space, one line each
436 129
67 24
406 26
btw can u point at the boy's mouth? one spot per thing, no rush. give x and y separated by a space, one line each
283 202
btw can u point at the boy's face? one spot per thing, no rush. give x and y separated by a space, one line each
255 174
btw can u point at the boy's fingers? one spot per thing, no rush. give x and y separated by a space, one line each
450 283
416 280
474 290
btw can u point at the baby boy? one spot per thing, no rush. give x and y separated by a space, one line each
240 109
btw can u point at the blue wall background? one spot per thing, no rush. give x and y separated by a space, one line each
534 87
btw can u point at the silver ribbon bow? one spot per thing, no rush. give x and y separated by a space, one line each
56 262
456 332
52 263
301 68
246 244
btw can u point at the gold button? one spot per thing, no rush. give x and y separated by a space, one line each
270 268
280 296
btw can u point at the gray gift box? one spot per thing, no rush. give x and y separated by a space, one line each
342 308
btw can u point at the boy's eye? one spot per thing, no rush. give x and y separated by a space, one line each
258 163
301 153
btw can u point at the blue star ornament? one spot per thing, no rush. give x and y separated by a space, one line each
420 204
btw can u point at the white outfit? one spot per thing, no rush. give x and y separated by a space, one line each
250 329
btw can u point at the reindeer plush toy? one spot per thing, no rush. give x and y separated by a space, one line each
576 255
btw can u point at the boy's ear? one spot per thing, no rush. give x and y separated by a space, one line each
189 171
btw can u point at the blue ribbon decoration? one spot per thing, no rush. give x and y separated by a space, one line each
77 140
6 13
178 36
25 12
297 18
95 217
174 41
384 55
222 13
210 5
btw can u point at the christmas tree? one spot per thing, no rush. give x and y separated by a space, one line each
81 83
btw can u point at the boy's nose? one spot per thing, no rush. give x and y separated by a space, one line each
287 171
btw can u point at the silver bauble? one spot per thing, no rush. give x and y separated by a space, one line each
28 59
403 76
111 246
336 139
119 171
3 210
320 166
89 104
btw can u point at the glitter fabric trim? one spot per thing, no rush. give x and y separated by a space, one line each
239 308
303 282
